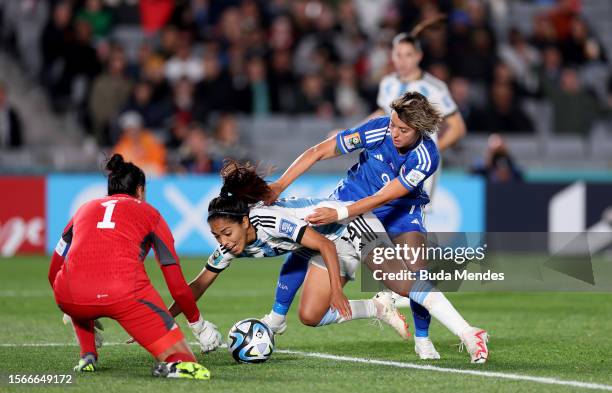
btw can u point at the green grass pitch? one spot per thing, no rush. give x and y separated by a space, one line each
556 335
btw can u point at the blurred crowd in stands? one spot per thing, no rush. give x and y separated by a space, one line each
197 63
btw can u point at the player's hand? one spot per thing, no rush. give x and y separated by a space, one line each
338 301
275 191
322 216
207 335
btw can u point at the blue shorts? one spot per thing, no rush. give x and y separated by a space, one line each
397 221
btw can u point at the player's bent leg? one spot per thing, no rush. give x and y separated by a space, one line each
315 310
314 303
82 318
148 321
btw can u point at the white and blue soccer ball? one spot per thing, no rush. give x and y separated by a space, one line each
250 341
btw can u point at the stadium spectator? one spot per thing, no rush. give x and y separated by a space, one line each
561 17
543 32
227 142
258 91
55 37
183 101
347 99
140 146
155 115
80 65
10 123
521 58
314 97
580 47
212 93
109 93
460 91
574 108
195 154
550 69
154 14
184 65
502 112
498 165
282 82
99 18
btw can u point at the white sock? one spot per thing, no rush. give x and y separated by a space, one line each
400 301
363 309
276 318
360 309
438 305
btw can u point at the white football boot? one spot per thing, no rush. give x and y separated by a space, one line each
274 324
475 340
387 313
424 348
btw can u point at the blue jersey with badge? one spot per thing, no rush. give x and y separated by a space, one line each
380 162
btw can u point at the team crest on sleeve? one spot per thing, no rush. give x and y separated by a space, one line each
352 141
287 227
414 177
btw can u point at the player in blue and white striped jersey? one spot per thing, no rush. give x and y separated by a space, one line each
247 229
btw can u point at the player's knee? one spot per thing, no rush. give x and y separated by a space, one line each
309 317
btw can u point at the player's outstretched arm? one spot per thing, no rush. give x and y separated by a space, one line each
326 215
315 241
455 131
322 151
198 286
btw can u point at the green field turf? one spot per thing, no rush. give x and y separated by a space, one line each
561 336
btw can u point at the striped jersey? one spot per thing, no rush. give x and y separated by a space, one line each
380 162
436 92
279 230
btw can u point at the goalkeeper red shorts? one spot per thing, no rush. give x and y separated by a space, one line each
145 318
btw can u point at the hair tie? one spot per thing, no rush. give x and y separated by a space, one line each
227 213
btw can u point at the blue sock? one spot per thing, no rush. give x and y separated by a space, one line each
290 280
422 319
420 315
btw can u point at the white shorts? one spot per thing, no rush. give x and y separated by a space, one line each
349 244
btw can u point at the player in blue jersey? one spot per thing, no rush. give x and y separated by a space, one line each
398 156
245 228
407 75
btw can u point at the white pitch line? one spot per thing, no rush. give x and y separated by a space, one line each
327 356
489 374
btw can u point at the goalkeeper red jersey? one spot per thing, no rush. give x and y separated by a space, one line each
99 258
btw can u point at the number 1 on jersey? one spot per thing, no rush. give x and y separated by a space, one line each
106 222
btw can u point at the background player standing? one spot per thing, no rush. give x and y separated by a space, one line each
97 270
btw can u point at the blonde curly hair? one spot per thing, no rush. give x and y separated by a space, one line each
413 109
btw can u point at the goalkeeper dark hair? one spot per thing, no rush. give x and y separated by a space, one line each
413 37
124 177
242 187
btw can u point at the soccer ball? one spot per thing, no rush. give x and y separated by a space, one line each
250 341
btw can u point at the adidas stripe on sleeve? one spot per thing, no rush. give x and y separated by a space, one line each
422 163
364 136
